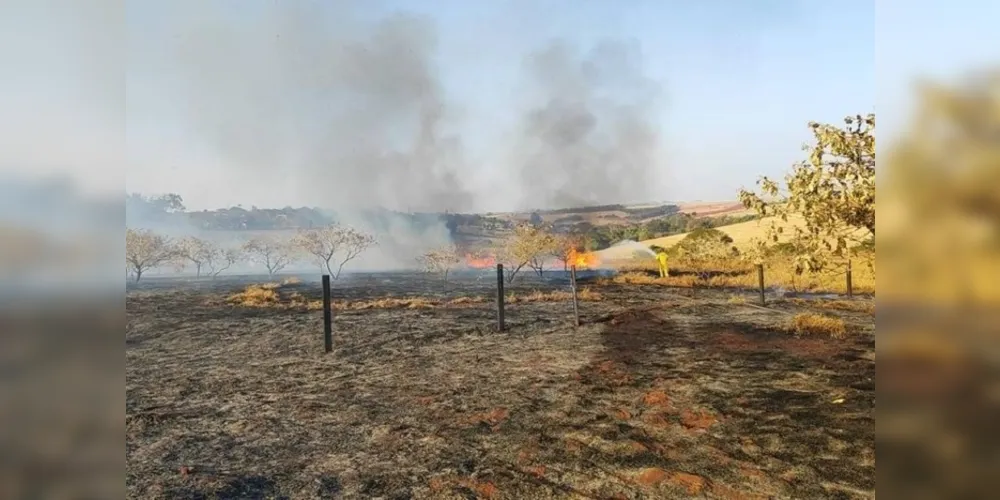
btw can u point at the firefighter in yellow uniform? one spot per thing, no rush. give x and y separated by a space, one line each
661 259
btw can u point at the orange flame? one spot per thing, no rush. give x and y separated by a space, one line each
480 262
582 260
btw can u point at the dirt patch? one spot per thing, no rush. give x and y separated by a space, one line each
699 420
740 342
656 398
491 419
692 484
652 476
727 493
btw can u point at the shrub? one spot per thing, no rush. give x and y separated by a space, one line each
704 250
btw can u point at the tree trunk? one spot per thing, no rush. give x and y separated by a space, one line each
138 275
510 275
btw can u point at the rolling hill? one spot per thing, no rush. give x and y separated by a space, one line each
742 234
605 215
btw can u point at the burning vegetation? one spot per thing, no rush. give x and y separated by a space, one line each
425 388
480 261
526 246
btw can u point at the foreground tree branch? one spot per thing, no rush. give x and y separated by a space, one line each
833 191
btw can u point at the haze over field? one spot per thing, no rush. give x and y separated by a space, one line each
354 106
333 109
464 108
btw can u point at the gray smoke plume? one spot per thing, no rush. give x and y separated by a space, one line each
348 113
589 136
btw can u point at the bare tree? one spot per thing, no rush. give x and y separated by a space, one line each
440 261
334 244
145 250
272 252
223 259
196 251
526 246
545 244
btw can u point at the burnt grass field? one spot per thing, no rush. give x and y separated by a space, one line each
661 393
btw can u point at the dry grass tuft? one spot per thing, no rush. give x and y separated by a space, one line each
381 303
295 299
466 300
634 278
555 296
737 300
294 280
391 303
836 305
270 295
265 295
818 324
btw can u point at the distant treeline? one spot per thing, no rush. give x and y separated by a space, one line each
141 211
638 213
601 237
169 209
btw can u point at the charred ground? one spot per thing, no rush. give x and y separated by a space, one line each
661 393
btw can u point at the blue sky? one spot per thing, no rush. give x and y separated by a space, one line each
740 79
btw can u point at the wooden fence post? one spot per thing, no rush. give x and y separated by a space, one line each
850 281
327 316
576 306
500 299
760 283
